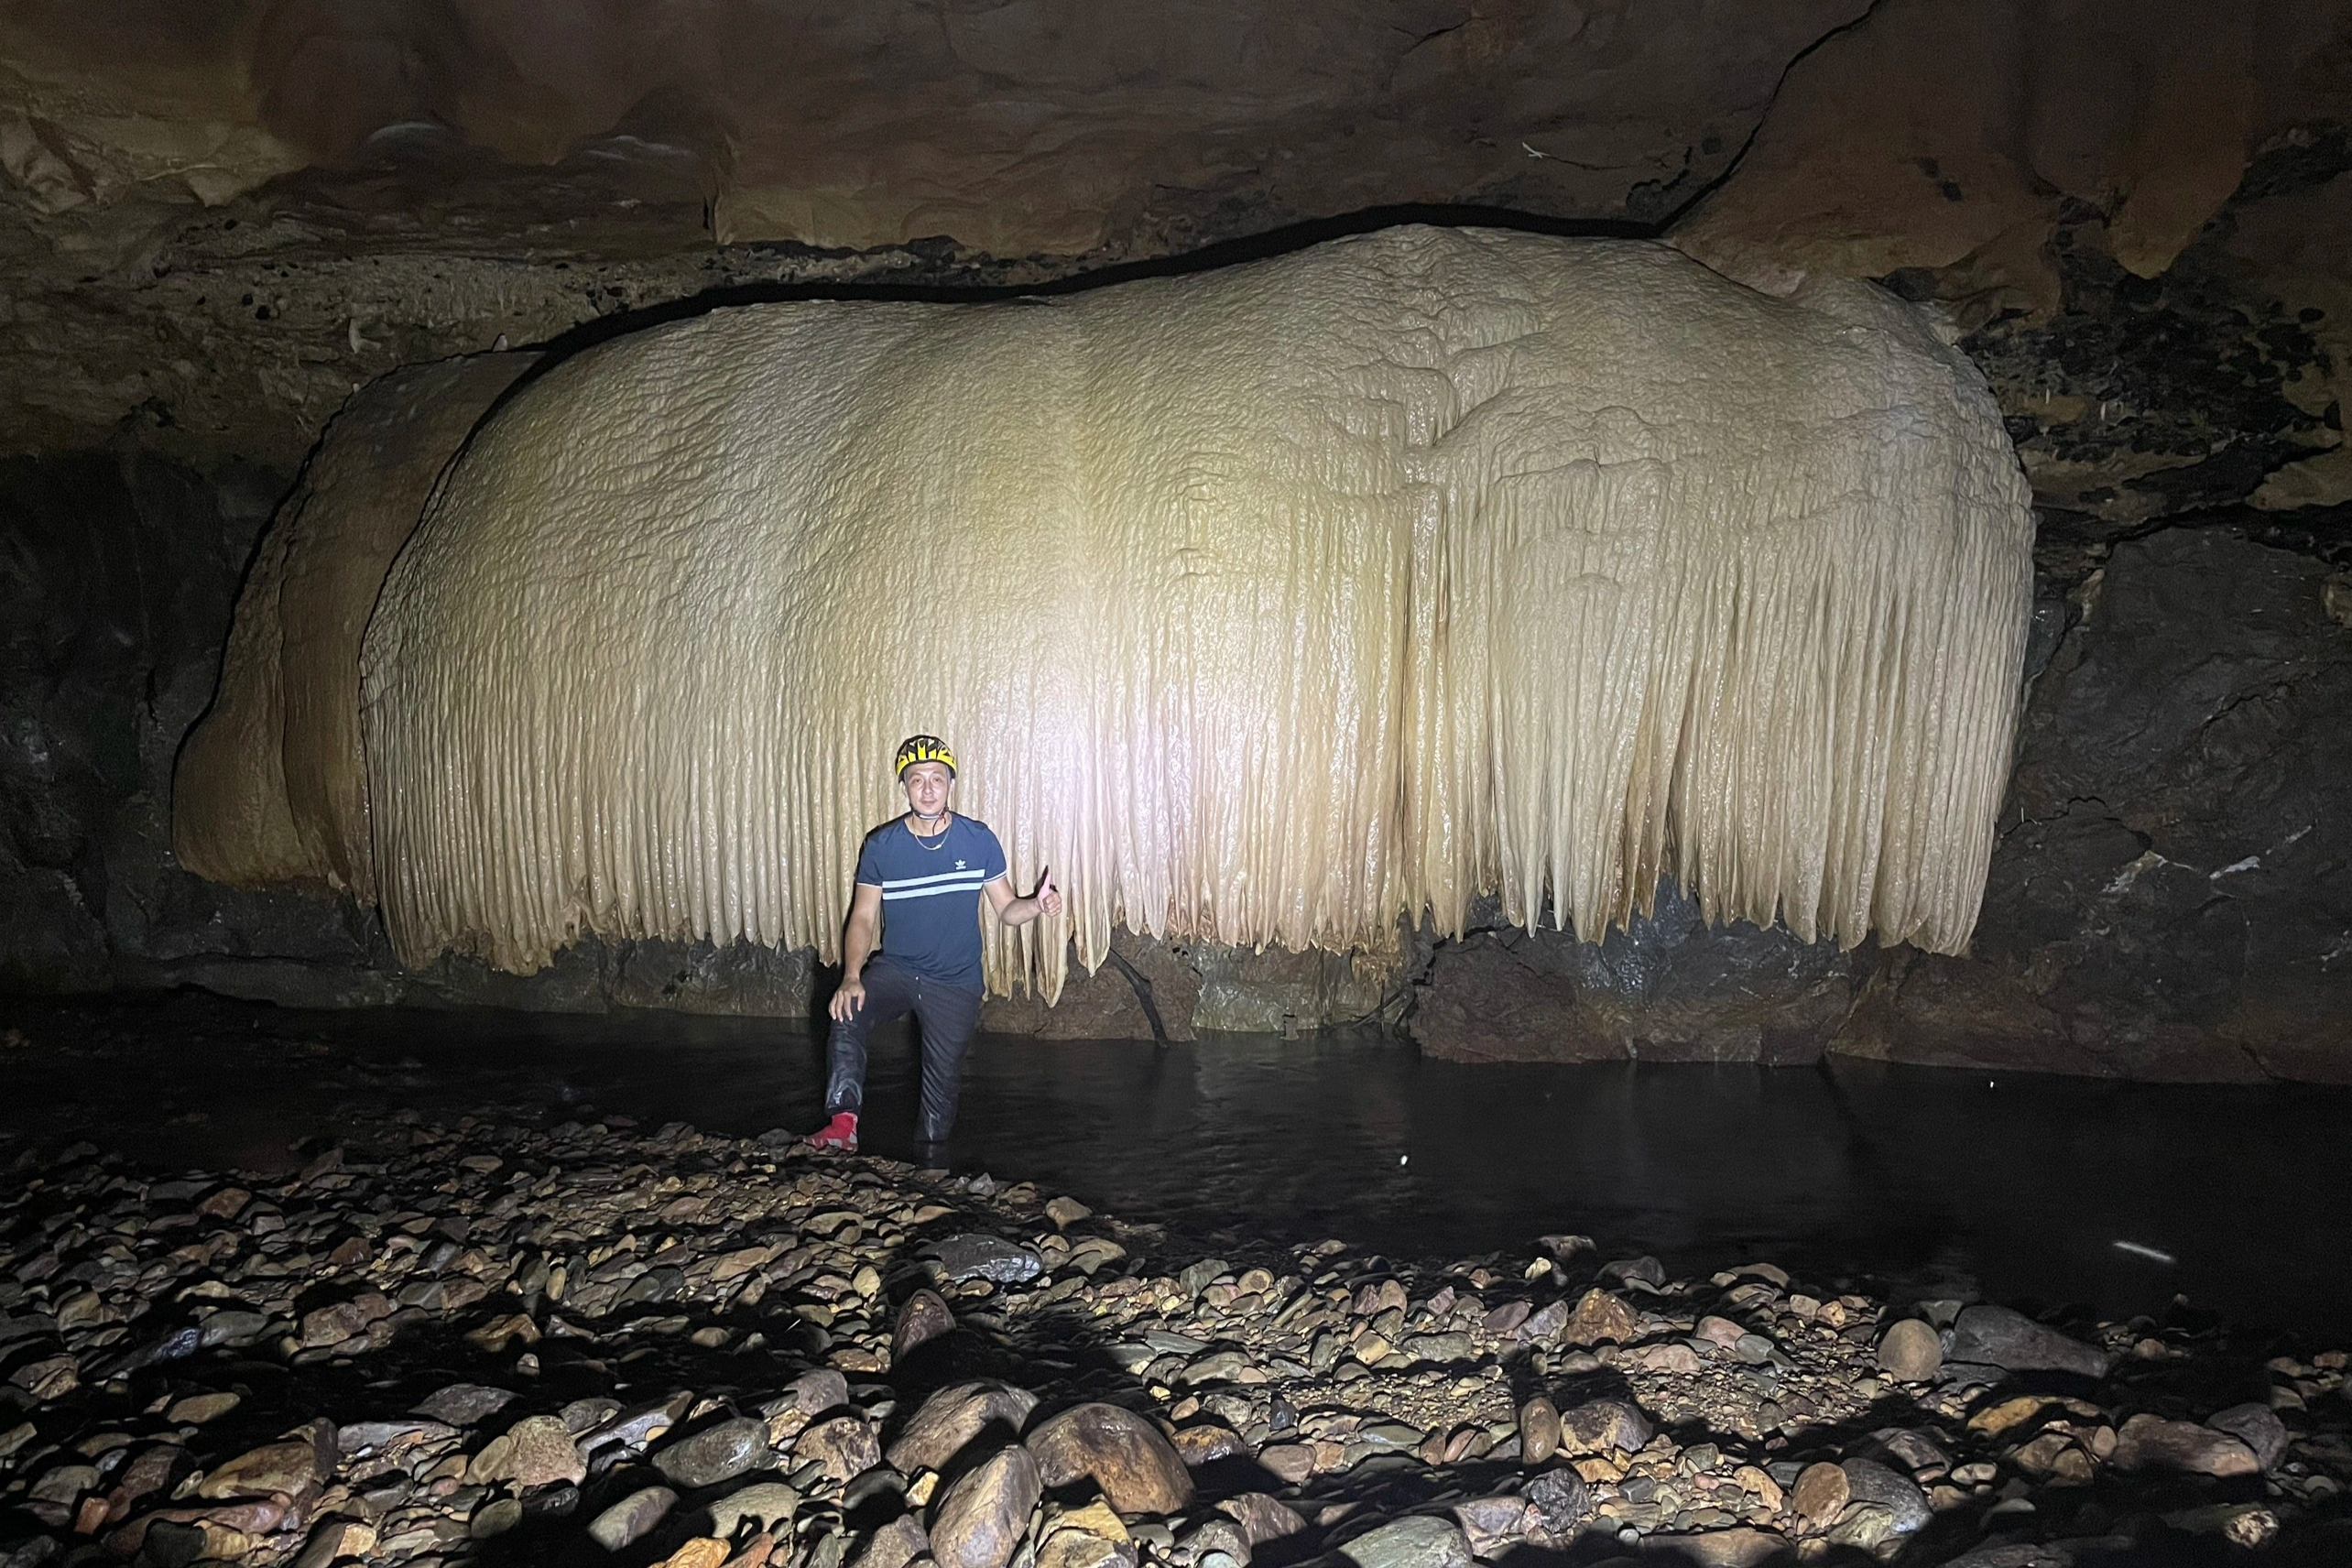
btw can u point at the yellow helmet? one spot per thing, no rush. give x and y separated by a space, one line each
922 748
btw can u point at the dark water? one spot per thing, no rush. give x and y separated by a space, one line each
1923 1181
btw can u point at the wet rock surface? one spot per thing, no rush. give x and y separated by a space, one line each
678 1348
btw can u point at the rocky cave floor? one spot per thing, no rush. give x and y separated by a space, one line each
499 1340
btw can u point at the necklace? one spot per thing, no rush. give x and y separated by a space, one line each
946 821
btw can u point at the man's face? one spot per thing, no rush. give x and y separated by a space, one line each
927 785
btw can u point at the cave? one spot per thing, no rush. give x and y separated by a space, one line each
1628 635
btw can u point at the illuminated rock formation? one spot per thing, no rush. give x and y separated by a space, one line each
269 788
1269 605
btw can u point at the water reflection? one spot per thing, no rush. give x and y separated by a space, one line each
1933 1181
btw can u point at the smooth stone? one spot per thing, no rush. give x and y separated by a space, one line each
1262 1517
1066 1212
1600 1318
462 1405
256 1473
1820 1494
1539 1429
980 1520
894 1545
1199 1445
1998 1336
494 1517
1290 1462
631 1518
721 1454
2258 1427
767 1504
1139 1470
1911 1351
953 1417
198 1409
1871 1482
814 1393
1740 1547
922 1317
2151 1443
535 1452
1417 1540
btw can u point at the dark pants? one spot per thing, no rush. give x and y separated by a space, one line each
944 1015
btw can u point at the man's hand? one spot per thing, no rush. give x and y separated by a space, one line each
1048 897
848 999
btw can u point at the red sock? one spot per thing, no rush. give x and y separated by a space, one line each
839 1133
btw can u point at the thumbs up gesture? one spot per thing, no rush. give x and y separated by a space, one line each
1048 897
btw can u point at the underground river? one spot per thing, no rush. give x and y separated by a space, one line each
1924 1183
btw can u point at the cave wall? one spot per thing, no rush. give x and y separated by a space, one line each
2136 219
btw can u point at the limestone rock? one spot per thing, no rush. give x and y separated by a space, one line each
630 1519
1998 1336
923 1317
1600 1426
846 1446
1139 1470
769 1505
1539 1427
2151 1443
537 1451
956 1415
1262 1517
719 1454
980 1522
2258 1427
1417 1540
1911 1351
1600 1318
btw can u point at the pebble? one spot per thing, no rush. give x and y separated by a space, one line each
733 1318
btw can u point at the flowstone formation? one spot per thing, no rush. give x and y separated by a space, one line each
1272 605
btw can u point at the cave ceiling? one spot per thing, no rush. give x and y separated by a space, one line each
218 220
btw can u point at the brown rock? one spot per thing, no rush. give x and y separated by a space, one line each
2151 1443
1539 1427
1293 1461
1600 1318
1911 1351
1598 1426
923 1317
1738 1548
1065 1211
895 1545
980 1520
1820 1494
1262 1519
259 1471
953 1417
537 1451
1199 1445
703 1551
844 1445
1139 1470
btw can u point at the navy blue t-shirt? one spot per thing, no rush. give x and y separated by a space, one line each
930 896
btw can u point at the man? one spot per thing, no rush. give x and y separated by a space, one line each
919 879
